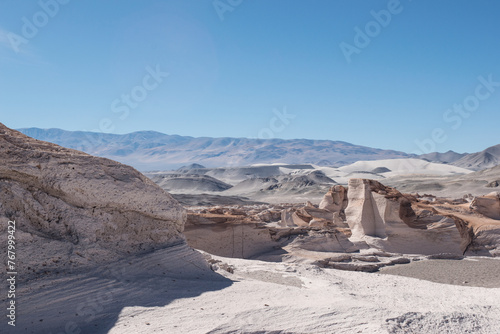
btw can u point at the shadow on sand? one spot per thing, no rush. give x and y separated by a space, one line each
91 302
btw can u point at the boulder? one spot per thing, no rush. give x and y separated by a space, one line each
336 242
493 184
362 262
304 216
317 213
318 223
269 215
289 218
355 266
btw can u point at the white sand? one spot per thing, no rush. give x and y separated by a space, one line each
266 298
405 166
398 167
169 292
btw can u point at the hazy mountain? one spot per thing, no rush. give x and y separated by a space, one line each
149 150
186 169
445 158
188 183
488 158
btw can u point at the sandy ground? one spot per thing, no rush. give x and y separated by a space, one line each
169 292
478 272
299 298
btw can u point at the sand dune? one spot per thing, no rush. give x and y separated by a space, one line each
404 167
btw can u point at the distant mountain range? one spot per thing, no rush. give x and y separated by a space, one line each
149 150
488 158
445 158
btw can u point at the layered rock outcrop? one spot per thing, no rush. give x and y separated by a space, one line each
73 210
335 200
383 218
373 206
488 205
230 232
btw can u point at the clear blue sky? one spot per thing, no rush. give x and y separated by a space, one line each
232 68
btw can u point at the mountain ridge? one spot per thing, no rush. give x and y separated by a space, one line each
488 158
446 157
153 150
150 150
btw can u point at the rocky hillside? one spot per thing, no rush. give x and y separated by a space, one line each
73 210
488 158
445 158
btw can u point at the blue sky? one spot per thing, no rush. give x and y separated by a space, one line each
415 76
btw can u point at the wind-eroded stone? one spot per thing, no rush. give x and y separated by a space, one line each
73 210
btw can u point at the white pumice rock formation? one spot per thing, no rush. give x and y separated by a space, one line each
335 242
383 218
311 216
371 208
228 235
335 200
73 210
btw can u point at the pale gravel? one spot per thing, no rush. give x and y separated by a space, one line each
474 272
